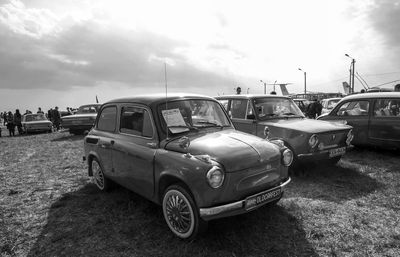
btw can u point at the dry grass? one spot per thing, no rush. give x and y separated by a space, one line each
48 207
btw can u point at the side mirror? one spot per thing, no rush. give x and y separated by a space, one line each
184 142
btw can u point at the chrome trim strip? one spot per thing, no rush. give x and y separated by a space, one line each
204 212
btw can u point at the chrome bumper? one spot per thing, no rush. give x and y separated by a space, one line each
321 153
230 207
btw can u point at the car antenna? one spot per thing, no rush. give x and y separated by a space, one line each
166 95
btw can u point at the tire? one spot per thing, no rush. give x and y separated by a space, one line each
181 213
99 179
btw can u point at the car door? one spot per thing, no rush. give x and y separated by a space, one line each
242 115
356 113
135 148
105 137
384 126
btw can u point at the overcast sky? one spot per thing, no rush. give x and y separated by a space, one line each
66 52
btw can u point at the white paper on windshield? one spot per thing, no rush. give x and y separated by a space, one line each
173 117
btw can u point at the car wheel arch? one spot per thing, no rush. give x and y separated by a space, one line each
167 180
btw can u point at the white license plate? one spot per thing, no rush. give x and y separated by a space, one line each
337 152
262 198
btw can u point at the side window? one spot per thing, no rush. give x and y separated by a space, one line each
107 119
354 108
238 109
387 107
136 121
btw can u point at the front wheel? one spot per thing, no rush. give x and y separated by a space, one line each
181 214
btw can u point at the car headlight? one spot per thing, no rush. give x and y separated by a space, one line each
287 157
313 141
215 177
350 137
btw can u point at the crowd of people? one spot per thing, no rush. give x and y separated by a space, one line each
13 121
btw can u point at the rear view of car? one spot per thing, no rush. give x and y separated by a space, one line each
36 123
82 121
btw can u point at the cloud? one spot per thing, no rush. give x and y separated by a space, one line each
41 51
385 17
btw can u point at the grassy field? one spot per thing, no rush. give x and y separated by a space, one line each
48 207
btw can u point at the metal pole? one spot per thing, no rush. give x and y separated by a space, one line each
305 83
353 62
265 88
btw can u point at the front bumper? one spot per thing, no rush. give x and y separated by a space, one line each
235 208
321 154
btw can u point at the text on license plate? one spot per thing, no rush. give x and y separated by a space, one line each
264 197
337 152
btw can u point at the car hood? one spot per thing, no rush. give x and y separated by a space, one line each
233 149
306 125
77 116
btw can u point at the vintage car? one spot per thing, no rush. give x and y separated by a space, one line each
82 121
36 123
375 118
279 117
183 153
329 103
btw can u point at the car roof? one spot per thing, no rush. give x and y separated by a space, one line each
150 99
251 96
373 95
332 98
97 104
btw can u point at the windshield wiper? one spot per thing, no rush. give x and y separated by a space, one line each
183 126
209 124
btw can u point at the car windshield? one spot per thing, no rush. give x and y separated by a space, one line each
268 107
88 109
35 117
185 115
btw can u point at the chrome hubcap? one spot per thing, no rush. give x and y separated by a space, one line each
98 175
178 213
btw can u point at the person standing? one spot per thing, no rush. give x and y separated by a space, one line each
57 118
40 111
17 121
10 124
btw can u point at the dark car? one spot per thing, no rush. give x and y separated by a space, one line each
182 152
279 117
36 123
375 118
82 121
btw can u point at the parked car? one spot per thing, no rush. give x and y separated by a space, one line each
279 117
82 121
328 104
375 118
183 153
36 123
